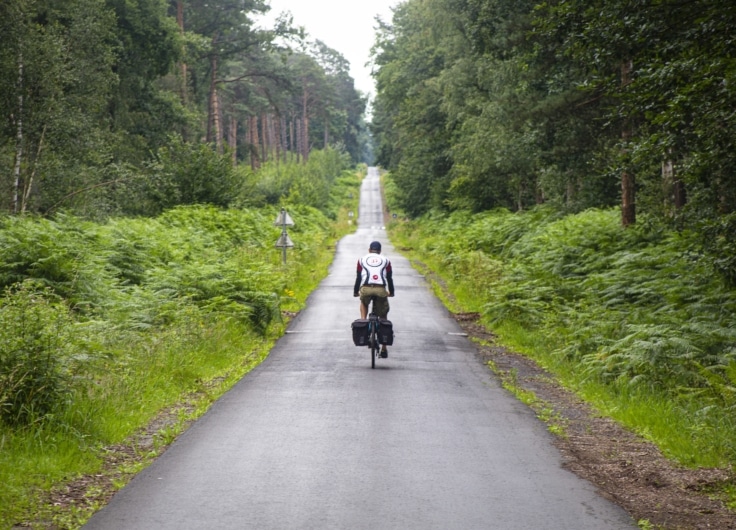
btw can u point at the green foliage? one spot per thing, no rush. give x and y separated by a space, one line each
639 311
312 188
510 104
411 123
58 254
309 184
719 242
474 112
191 174
35 339
103 325
109 106
345 193
139 273
211 273
57 64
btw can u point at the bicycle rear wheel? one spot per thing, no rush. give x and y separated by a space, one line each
374 348
373 337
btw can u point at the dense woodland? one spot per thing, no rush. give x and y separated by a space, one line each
135 106
567 168
487 104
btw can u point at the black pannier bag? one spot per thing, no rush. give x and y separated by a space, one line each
385 332
361 333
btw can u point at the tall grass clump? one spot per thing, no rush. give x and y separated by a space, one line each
105 324
639 312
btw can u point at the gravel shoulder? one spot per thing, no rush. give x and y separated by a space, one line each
626 469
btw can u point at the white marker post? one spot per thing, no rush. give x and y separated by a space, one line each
283 220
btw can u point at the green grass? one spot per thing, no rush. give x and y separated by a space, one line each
683 430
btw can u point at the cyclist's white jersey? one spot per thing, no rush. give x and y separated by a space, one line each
373 269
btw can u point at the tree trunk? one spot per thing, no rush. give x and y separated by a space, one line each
210 114
539 197
232 139
673 187
292 137
327 131
265 135
680 194
18 137
214 121
255 161
273 143
273 140
520 197
249 142
298 139
29 186
628 183
183 65
283 139
305 125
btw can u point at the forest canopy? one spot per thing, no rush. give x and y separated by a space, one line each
485 104
101 99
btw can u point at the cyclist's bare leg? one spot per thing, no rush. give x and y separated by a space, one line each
363 311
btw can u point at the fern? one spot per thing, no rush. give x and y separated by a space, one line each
637 306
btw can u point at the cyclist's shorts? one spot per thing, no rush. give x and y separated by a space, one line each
380 306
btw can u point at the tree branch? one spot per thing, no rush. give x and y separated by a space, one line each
83 190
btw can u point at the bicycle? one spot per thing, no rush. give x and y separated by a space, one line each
374 332
374 327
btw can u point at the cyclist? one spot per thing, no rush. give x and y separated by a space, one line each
374 279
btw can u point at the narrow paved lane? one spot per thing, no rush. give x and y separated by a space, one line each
315 439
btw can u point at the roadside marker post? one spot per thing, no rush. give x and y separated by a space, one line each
283 220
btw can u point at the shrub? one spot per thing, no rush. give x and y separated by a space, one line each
719 241
34 335
185 173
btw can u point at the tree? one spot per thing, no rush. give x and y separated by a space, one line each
148 47
342 106
409 101
227 38
57 66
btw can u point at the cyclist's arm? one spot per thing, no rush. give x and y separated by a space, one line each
358 278
390 280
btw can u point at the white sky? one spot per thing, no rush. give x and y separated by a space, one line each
346 26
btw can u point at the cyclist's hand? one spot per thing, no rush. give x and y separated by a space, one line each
356 295
391 295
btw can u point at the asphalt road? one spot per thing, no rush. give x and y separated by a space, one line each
315 439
